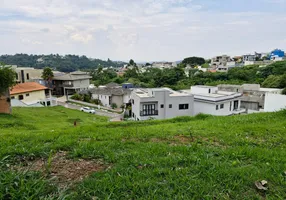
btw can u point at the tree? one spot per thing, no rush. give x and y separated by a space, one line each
48 75
7 80
193 61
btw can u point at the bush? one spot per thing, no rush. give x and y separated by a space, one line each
77 97
284 91
96 101
113 105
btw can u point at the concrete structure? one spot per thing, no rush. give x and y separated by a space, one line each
160 103
253 95
163 65
277 55
68 84
274 102
220 61
31 93
112 94
209 100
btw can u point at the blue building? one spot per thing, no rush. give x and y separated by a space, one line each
277 53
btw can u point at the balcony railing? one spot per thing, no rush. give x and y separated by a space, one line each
149 113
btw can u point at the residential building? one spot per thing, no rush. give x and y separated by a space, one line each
68 84
253 98
113 93
27 74
163 65
277 55
210 100
160 103
220 61
31 94
249 57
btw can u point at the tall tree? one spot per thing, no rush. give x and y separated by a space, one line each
48 75
7 80
193 61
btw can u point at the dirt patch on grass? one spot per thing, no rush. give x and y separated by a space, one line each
64 171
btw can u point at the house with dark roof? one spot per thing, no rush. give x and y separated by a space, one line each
68 84
112 93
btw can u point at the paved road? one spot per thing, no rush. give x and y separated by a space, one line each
112 116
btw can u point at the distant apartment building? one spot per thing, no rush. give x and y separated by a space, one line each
210 100
68 84
220 61
253 98
160 103
249 57
163 65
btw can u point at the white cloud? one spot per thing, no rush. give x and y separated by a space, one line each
81 37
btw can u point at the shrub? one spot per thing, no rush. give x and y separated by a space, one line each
77 97
284 91
113 105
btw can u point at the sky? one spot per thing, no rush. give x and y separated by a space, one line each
144 30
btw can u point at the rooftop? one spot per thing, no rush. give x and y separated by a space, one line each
146 92
72 77
27 87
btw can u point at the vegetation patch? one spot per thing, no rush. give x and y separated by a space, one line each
61 169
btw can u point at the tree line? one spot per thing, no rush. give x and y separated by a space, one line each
67 63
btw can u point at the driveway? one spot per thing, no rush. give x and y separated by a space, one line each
112 116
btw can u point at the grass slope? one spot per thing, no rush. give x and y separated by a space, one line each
201 157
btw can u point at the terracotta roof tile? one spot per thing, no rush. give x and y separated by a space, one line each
26 87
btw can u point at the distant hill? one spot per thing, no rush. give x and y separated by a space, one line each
67 63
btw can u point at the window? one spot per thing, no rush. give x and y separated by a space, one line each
149 110
28 76
12 97
162 105
183 106
21 97
216 107
170 106
209 91
235 105
27 95
132 101
17 77
221 106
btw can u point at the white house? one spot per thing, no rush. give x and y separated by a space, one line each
160 103
209 100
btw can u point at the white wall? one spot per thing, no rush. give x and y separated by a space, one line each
104 100
210 108
126 98
203 89
274 102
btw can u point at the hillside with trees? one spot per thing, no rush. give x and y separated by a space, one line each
67 63
272 76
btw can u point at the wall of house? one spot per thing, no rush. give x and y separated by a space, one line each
30 73
210 108
5 106
33 96
203 89
104 99
118 100
126 98
81 83
274 102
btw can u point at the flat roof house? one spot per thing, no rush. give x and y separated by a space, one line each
209 100
160 103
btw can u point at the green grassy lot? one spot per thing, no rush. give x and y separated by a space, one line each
201 157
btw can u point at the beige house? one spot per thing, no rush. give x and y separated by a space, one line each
29 93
